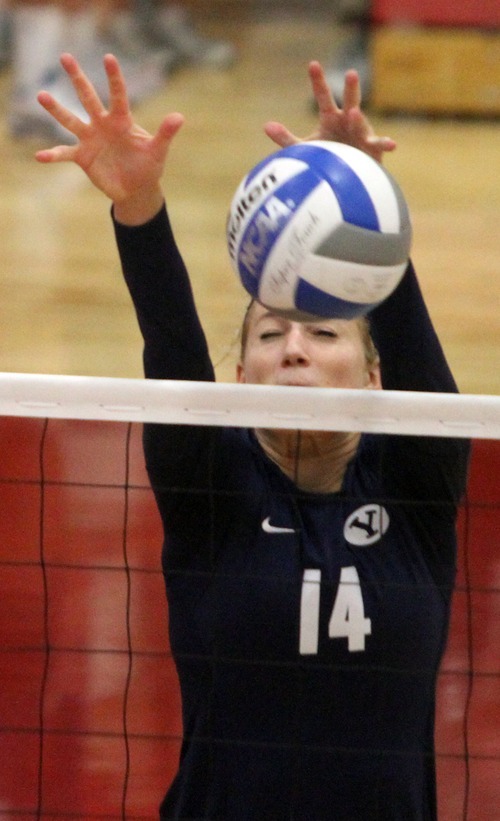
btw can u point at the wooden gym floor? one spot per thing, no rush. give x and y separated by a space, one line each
63 307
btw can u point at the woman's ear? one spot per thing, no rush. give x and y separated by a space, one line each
240 373
374 377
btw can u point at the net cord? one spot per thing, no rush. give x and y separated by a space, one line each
252 406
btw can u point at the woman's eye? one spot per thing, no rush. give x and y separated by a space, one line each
329 333
269 334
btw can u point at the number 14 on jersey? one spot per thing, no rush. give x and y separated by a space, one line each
347 619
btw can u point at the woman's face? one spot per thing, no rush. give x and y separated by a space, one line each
326 353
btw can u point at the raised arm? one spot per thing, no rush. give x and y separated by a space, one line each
120 158
126 163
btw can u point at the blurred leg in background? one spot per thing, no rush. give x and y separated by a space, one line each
353 22
38 32
5 34
149 38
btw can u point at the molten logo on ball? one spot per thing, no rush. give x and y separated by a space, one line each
319 229
242 207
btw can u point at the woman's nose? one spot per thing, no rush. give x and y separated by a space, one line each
295 349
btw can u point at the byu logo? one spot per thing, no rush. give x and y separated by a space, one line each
366 525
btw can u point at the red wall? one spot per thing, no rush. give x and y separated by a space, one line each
438 12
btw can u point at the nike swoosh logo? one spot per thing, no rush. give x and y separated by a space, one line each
267 527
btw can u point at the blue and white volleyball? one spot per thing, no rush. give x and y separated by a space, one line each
319 229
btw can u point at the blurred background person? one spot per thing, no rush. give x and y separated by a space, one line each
169 26
150 38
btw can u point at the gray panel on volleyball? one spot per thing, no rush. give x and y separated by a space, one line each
361 245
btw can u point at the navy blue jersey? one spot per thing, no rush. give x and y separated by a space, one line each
307 629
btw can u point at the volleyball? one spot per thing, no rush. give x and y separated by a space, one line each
319 229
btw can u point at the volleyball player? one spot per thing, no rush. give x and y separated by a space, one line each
308 575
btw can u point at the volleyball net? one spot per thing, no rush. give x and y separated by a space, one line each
90 722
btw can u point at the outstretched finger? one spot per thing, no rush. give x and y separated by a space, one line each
378 146
321 90
60 153
362 135
167 130
63 115
280 135
86 92
118 97
352 90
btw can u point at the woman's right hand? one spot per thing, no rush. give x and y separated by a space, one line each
120 158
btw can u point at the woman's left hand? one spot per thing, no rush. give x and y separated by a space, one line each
344 125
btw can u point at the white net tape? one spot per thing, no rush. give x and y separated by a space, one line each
257 406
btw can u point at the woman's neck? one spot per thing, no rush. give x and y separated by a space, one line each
314 461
